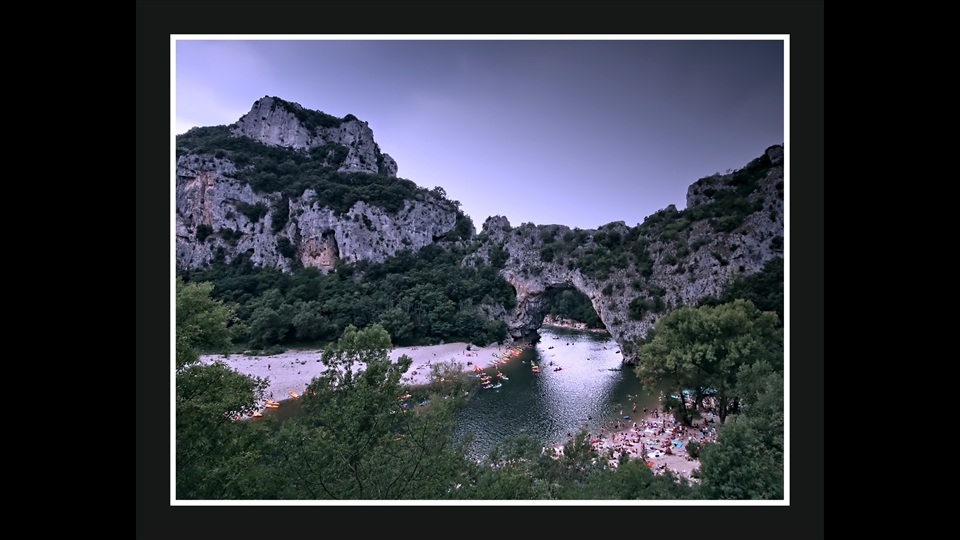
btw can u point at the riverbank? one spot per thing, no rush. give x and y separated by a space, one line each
292 371
655 432
570 324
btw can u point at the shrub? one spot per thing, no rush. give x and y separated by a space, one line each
203 231
638 307
253 211
281 214
286 248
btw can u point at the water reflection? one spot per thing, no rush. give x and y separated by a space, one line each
549 405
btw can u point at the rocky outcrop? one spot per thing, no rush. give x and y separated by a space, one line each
733 224
634 275
220 217
276 122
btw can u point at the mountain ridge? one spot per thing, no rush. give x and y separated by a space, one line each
291 188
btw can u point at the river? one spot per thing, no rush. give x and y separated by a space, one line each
548 405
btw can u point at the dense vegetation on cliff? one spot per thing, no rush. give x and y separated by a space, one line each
276 169
421 298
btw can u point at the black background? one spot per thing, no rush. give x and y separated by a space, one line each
803 518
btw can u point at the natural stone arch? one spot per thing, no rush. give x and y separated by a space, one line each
533 298
533 306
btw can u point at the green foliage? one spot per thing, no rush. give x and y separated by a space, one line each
639 307
463 230
547 235
202 323
355 441
573 305
272 169
311 120
214 456
440 299
280 215
203 231
776 243
498 257
231 236
253 211
716 255
703 348
285 247
764 289
746 462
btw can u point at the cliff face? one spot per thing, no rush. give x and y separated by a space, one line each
237 200
635 275
275 122
220 216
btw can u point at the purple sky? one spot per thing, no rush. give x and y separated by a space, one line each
572 132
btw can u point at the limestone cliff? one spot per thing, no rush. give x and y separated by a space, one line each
733 224
294 205
285 188
275 122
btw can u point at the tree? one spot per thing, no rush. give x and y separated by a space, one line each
746 462
215 456
202 322
702 349
397 322
360 437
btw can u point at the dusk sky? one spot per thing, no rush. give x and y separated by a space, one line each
564 131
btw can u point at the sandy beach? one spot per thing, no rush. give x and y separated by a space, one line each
292 371
647 433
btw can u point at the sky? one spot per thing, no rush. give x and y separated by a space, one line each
577 132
